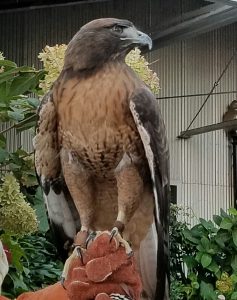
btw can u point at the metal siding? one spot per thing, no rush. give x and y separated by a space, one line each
24 34
200 166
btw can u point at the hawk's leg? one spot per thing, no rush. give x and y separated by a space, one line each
79 183
130 189
80 187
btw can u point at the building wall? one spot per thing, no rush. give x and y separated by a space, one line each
200 166
29 31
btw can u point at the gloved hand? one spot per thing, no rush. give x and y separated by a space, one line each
101 271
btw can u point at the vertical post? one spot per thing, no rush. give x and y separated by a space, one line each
234 144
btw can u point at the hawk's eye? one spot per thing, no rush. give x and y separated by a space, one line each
118 28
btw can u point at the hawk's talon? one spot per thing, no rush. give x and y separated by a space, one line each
114 232
79 253
90 238
62 280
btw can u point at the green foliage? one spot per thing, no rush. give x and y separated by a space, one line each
209 253
34 266
19 107
17 81
176 289
33 257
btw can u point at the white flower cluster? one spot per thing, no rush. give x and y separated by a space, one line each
53 60
16 215
140 65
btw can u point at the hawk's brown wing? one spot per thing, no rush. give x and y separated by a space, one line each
150 125
62 213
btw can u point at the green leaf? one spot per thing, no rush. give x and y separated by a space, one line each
234 263
234 296
19 284
26 126
213 249
198 257
205 243
26 123
213 267
195 285
198 231
8 75
220 242
201 248
234 278
226 223
208 225
190 261
16 251
206 260
16 115
224 214
188 235
14 167
22 84
2 141
7 63
234 236
232 211
3 155
207 291
33 102
217 219
41 214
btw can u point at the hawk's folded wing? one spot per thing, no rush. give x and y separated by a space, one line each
62 213
150 125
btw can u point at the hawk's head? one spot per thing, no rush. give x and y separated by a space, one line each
102 40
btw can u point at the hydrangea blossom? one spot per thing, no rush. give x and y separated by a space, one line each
140 65
16 215
53 60
225 284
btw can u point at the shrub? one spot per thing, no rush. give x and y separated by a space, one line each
34 264
204 258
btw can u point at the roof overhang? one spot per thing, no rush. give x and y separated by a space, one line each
214 15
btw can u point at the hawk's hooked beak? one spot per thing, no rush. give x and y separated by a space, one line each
144 39
136 37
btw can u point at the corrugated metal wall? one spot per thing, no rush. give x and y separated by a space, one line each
24 34
200 167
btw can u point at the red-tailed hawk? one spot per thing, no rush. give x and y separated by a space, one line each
101 149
